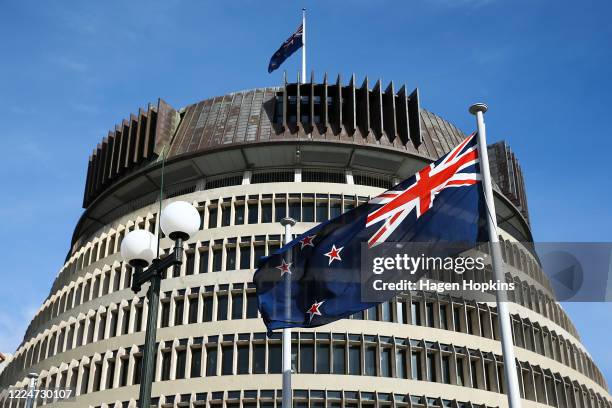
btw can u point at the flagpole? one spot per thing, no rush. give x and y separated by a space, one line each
514 396
287 394
303 45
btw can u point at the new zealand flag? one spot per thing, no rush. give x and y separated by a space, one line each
443 202
291 45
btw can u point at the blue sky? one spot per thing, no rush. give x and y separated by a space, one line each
70 70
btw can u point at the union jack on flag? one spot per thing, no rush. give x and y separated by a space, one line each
456 169
443 202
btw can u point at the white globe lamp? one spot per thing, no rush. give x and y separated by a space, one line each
139 248
180 220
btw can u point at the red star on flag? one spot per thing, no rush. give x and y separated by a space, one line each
284 268
314 309
334 254
307 241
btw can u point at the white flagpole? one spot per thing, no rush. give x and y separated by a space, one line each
32 390
287 393
303 45
514 396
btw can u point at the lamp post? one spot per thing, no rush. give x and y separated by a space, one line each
179 220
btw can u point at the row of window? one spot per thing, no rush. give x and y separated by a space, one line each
268 208
320 353
207 304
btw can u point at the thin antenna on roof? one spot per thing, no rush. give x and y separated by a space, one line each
161 196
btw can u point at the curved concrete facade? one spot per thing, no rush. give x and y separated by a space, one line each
420 349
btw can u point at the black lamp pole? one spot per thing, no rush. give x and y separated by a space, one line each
153 274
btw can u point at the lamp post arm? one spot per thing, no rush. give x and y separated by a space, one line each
158 266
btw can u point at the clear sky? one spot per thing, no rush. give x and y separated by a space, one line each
71 70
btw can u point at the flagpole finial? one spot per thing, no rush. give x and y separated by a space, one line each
478 107
288 221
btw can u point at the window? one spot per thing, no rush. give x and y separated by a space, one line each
281 211
322 358
322 211
196 362
457 318
97 377
307 358
211 361
221 307
294 210
216 264
251 312
339 354
237 306
96 290
415 362
473 368
70 336
116 285
179 306
165 314
226 212
400 363
227 360
431 367
429 311
443 318
239 214
90 330
101 328
355 360
460 377
137 369
386 312
370 360
385 362
259 358
106 285
212 217
193 310
189 262
252 212
308 211
123 372
111 245
416 313
294 357
243 359
85 379
165 368
275 358
266 212
204 260
230 258
446 369
372 313
138 318
400 311
110 374
245 257
207 309
128 277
